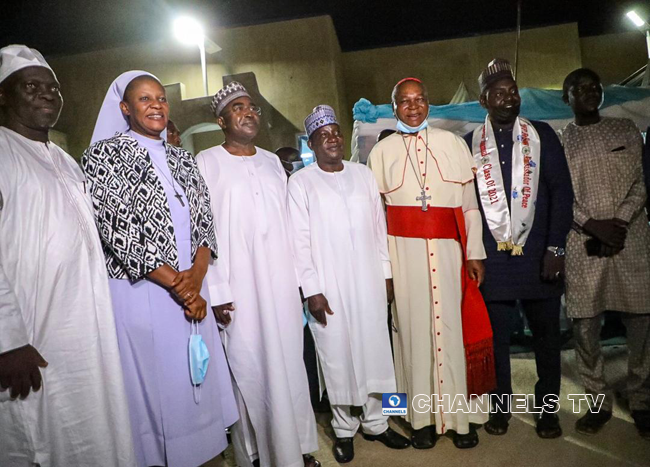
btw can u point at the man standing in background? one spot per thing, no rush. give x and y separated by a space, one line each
608 250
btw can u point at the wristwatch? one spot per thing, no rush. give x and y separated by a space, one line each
556 250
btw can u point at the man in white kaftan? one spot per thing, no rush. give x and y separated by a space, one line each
427 180
341 250
254 291
55 305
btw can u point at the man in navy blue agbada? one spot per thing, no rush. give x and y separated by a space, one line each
525 197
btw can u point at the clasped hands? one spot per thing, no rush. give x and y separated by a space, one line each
612 234
186 287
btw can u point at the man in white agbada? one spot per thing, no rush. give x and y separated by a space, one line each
58 345
254 291
341 250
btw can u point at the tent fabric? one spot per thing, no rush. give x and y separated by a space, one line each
536 104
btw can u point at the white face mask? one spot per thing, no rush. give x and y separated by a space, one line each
297 165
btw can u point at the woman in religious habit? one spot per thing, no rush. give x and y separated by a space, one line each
152 210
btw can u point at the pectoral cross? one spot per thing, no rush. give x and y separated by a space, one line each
424 199
179 198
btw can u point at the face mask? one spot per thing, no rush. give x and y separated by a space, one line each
404 128
199 359
297 165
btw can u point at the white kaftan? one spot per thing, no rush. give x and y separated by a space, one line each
429 352
341 250
54 295
264 341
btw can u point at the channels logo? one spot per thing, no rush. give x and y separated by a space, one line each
393 403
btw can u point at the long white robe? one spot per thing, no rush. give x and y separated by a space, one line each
429 352
54 295
341 250
264 341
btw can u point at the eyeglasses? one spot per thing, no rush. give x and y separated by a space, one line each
239 109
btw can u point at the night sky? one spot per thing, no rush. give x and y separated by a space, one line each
70 26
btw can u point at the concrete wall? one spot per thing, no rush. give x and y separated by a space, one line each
295 64
614 56
546 56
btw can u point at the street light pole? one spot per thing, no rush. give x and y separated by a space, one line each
645 27
204 68
189 31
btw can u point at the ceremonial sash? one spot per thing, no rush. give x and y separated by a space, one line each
509 226
449 223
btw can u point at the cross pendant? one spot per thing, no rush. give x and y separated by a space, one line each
424 199
180 199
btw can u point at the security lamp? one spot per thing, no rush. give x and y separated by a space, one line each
188 31
645 27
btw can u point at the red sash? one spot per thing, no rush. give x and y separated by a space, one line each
413 222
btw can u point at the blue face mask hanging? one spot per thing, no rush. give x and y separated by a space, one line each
404 128
199 359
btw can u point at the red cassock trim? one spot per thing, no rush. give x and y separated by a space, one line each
449 223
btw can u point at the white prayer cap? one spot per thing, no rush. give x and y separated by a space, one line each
16 57
111 120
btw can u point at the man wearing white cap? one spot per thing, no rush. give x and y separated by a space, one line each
62 398
254 291
341 250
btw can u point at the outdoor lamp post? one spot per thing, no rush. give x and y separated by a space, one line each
645 27
189 31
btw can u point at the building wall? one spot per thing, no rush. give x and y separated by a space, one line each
294 63
298 64
614 56
546 56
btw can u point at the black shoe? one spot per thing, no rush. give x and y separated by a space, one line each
390 439
592 422
497 424
466 441
424 438
642 422
548 426
256 463
310 461
344 450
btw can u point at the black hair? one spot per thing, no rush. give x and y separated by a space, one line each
573 77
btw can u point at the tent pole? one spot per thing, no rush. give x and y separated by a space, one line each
518 37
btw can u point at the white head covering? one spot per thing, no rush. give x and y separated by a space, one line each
111 120
16 57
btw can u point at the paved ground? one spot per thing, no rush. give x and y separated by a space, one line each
618 444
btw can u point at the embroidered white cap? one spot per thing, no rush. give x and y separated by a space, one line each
16 57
